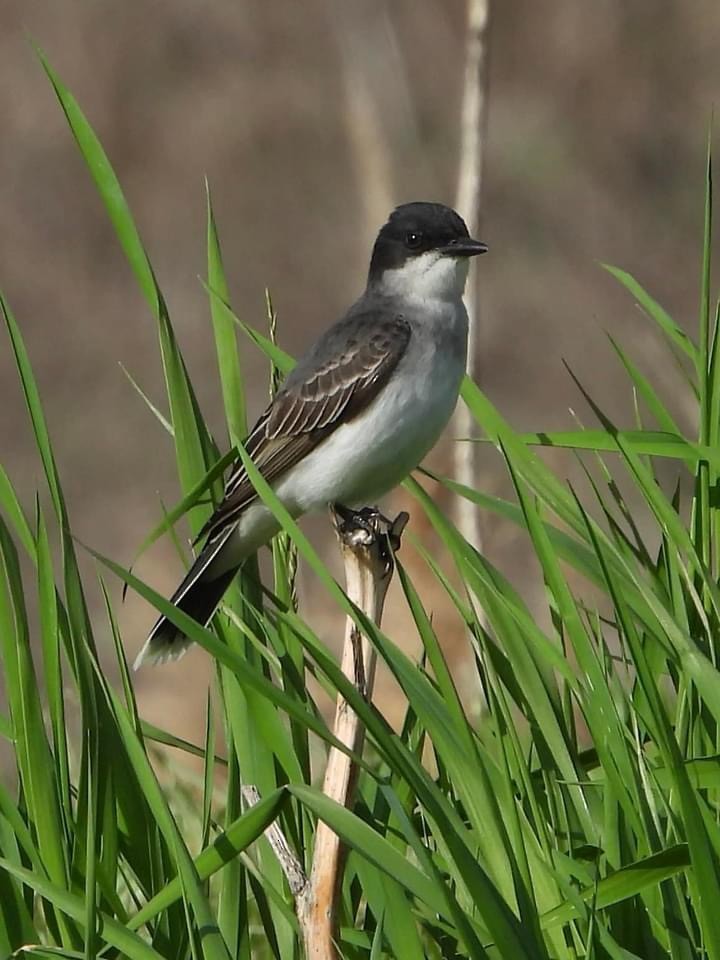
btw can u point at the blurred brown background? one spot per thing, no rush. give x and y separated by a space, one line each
311 120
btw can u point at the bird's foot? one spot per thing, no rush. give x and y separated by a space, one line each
366 526
367 519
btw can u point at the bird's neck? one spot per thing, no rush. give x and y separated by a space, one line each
430 277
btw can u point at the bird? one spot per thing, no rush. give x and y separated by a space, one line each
356 415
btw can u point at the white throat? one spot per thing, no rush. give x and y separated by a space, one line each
430 276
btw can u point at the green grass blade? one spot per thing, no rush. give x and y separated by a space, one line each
32 749
37 417
15 515
626 883
188 502
213 945
192 442
159 416
233 389
653 402
282 360
205 638
653 442
705 876
108 187
374 848
52 669
116 934
662 318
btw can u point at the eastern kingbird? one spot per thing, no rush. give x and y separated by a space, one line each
358 412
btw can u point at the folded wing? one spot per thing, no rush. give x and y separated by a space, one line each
340 377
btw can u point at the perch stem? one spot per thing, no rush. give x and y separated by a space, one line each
368 542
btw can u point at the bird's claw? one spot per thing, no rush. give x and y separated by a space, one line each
368 525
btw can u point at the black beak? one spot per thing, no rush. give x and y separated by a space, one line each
464 247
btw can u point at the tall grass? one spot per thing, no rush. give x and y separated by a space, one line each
578 817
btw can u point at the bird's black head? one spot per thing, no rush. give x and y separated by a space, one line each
414 229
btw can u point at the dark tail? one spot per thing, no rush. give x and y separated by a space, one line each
198 596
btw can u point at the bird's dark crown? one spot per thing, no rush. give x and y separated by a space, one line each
413 229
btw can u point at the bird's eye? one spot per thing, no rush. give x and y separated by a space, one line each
413 240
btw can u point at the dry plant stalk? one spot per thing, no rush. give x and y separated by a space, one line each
472 143
368 542
367 548
291 866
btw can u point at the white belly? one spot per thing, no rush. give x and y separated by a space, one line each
364 459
